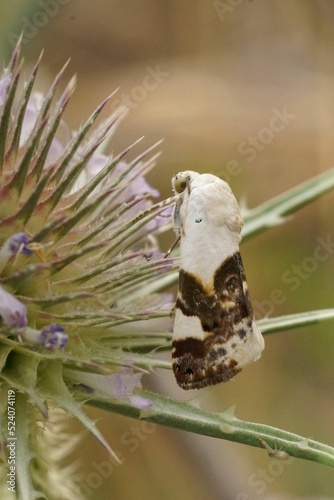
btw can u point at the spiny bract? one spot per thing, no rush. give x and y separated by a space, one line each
79 262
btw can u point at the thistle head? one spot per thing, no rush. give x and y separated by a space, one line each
79 260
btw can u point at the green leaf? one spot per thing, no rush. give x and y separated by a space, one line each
20 374
23 449
282 323
4 353
272 212
53 388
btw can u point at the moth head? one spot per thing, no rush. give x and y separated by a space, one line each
182 180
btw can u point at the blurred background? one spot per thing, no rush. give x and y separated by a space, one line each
245 90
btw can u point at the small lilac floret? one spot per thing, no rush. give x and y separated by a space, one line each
4 83
12 311
18 243
125 382
53 336
119 385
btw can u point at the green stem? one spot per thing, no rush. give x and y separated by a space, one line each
273 211
289 321
189 417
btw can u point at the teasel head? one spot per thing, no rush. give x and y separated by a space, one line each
81 272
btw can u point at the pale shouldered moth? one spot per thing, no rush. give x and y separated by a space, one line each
215 334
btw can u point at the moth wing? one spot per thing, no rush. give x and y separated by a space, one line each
215 334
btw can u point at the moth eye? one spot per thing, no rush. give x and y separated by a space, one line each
180 184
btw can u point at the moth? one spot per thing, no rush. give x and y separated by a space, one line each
214 334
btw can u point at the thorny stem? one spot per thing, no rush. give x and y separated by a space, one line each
191 418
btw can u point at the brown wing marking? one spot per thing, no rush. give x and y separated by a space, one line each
224 312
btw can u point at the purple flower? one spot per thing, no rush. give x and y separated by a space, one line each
123 384
18 243
93 167
30 117
164 263
95 164
134 186
53 336
160 219
119 385
4 83
12 311
138 185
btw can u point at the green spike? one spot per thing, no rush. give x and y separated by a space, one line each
48 229
53 388
37 271
74 255
76 143
65 184
107 169
30 205
113 216
6 115
130 227
54 300
43 114
19 179
15 55
14 146
52 127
